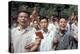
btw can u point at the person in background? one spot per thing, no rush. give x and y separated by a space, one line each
33 16
37 34
51 24
36 25
74 29
55 22
71 20
74 32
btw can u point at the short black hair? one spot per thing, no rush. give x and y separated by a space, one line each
42 17
63 18
25 11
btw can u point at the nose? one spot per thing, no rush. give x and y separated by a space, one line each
63 24
23 17
43 24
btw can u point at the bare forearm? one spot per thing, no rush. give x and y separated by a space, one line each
34 48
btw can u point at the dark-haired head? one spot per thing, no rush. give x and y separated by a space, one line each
41 18
23 18
62 23
24 11
43 23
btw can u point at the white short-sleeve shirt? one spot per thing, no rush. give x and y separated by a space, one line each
21 38
47 41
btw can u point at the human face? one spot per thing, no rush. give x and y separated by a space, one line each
35 24
62 24
43 24
23 19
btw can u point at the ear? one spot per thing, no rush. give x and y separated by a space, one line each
17 20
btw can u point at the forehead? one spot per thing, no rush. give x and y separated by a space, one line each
43 20
62 20
23 13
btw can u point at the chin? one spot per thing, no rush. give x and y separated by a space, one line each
62 28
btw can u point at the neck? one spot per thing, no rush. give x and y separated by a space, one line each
45 30
22 27
37 28
62 31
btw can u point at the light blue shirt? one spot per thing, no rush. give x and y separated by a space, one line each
47 41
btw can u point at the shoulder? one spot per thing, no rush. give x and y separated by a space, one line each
69 34
30 30
14 29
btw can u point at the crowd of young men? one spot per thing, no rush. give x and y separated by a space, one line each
38 33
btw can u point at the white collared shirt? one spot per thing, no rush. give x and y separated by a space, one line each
47 41
21 38
52 27
74 30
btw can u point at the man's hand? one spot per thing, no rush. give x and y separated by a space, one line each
55 40
29 46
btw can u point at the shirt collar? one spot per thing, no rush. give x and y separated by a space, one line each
26 29
61 33
45 32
